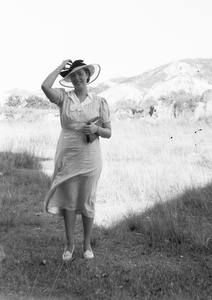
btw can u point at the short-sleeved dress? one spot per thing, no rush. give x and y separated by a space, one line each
78 164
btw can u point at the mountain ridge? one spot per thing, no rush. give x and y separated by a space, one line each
168 87
193 69
165 79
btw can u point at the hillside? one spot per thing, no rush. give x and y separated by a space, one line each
180 88
193 76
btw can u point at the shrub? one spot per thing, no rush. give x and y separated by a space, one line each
14 101
23 160
38 102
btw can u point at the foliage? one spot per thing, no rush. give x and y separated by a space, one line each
37 102
14 101
183 104
10 161
129 105
32 101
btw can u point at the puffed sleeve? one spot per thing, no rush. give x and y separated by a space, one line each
61 96
104 111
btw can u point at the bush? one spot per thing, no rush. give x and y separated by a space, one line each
29 102
38 102
14 101
23 160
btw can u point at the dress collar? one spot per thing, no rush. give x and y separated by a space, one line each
75 99
88 99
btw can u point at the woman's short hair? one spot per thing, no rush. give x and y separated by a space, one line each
88 73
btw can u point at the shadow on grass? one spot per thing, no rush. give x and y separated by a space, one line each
161 253
170 245
183 223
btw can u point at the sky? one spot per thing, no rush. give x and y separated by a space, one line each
126 37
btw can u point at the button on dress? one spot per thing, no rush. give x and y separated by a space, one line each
78 164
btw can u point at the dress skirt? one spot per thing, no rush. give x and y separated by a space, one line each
78 166
76 194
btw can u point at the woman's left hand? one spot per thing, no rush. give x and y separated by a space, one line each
89 129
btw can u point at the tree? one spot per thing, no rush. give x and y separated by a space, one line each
14 101
39 102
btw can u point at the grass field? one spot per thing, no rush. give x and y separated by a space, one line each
153 228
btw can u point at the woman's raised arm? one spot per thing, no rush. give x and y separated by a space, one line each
46 86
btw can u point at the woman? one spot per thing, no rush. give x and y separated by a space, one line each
78 162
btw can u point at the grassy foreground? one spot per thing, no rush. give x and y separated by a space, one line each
162 253
160 247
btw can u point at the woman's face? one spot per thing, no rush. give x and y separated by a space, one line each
79 78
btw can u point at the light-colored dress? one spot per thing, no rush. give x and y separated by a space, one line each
78 164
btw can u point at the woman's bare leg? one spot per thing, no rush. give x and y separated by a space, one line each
87 226
69 220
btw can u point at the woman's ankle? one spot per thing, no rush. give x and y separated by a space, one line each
69 247
86 245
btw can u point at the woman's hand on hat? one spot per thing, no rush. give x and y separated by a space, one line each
66 62
89 129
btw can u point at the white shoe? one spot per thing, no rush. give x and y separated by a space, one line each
67 255
88 254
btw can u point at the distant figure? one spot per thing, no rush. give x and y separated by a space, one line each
151 110
84 118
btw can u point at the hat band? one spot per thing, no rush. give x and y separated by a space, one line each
94 73
76 69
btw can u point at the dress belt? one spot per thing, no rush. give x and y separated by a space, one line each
73 127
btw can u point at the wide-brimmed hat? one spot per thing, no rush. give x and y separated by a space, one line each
94 70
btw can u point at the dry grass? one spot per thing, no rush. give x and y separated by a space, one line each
152 235
144 161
